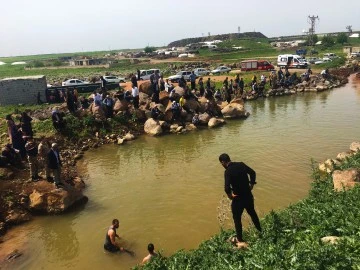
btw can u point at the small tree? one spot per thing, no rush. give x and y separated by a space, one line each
149 49
342 38
327 41
312 39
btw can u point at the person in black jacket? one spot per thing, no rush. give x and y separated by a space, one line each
54 164
238 189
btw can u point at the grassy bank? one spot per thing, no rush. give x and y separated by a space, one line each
291 238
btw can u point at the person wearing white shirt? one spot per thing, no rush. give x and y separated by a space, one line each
135 96
168 86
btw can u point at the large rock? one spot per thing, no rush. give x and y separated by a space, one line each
192 105
328 166
355 146
121 105
204 118
98 113
234 110
129 137
140 114
343 155
143 98
146 88
215 122
164 98
180 91
344 180
54 200
237 101
330 239
153 127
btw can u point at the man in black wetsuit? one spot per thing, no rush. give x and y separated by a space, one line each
110 244
238 189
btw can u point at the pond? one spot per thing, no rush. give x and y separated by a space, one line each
166 190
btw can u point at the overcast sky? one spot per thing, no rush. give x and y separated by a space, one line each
54 26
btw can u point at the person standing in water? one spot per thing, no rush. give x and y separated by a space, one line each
110 243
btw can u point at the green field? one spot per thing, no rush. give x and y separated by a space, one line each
251 48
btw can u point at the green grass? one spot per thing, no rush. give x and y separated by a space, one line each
291 238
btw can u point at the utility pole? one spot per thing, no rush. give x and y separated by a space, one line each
311 33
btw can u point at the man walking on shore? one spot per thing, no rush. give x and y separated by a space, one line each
238 189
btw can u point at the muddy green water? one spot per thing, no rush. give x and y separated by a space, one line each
166 190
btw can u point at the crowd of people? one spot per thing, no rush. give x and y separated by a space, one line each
23 148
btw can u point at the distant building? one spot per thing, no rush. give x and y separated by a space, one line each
22 90
89 62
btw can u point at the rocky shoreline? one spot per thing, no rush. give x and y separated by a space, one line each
22 199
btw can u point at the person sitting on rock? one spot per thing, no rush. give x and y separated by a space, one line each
152 254
208 93
217 95
57 119
84 103
155 113
32 152
325 74
172 95
10 155
127 95
97 98
176 111
195 120
109 104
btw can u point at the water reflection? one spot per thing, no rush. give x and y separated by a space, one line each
60 243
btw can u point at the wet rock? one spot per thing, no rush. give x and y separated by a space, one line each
215 122
17 216
179 129
190 127
233 110
344 180
129 137
355 146
204 118
328 166
79 184
152 127
54 200
78 156
120 141
343 155
330 239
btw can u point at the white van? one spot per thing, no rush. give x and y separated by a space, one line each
145 74
291 61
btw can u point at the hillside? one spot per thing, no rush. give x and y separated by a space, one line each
185 41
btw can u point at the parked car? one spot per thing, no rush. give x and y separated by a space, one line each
312 60
355 54
324 60
145 74
221 69
330 55
73 82
176 78
201 71
114 79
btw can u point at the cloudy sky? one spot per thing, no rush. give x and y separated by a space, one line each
54 26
